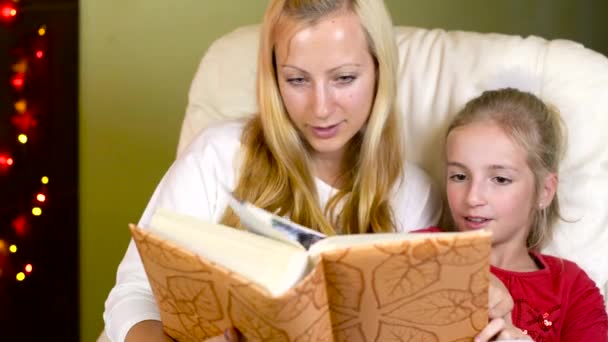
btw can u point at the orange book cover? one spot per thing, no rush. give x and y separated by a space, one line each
427 289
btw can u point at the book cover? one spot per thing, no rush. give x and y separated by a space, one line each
432 288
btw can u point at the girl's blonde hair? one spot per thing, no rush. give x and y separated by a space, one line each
536 127
276 170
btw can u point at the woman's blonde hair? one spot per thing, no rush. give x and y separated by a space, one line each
539 130
276 169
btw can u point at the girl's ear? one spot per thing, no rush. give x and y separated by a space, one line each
547 190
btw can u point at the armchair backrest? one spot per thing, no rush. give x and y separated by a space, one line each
439 71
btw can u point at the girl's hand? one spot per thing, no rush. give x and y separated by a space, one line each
500 302
500 305
501 329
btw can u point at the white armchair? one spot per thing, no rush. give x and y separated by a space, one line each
439 71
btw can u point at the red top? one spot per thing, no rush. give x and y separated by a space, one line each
559 302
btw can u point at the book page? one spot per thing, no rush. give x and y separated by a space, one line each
273 265
265 223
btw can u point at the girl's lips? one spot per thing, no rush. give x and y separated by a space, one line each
326 132
476 222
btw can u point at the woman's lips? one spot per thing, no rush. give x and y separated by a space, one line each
326 132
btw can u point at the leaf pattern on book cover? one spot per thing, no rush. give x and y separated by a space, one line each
397 277
168 255
351 334
459 251
199 328
341 317
400 333
317 286
479 318
480 280
319 331
344 284
195 297
281 309
250 324
441 307
424 250
163 297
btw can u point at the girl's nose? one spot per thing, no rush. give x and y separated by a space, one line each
475 195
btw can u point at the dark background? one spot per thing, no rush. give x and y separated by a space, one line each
45 305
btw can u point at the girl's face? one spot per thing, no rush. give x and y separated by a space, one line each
326 77
489 183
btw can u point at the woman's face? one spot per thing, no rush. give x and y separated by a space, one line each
327 77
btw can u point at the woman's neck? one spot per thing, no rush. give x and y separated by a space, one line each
328 169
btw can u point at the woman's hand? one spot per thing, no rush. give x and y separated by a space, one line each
148 331
501 329
230 335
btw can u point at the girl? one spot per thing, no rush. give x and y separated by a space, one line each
502 159
324 150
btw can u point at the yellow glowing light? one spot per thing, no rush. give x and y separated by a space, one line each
42 30
21 106
13 248
36 211
20 276
45 180
22 138
20 67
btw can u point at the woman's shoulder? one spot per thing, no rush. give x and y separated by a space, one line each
222 137
415 178
415 200
220 134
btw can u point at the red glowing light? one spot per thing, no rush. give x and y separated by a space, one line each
28 268
41 197
20 225
8 12
18 81
24 122
6 160
39 54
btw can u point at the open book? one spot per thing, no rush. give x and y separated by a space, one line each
282 282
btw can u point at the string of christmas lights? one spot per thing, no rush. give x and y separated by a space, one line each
23 114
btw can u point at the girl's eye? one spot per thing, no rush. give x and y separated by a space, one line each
502 180
459 177
345 79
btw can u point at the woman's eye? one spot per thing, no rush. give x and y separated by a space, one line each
459 177
502 180
296 80
345 79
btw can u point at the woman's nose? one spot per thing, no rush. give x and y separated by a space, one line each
323 101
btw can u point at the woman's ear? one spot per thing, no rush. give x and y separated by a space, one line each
548 190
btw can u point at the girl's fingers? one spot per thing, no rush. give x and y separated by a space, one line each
492 329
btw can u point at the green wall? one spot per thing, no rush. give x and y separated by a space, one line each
136 63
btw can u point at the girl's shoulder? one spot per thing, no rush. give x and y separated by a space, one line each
564 270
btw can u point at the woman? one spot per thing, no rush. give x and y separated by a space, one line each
324 149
